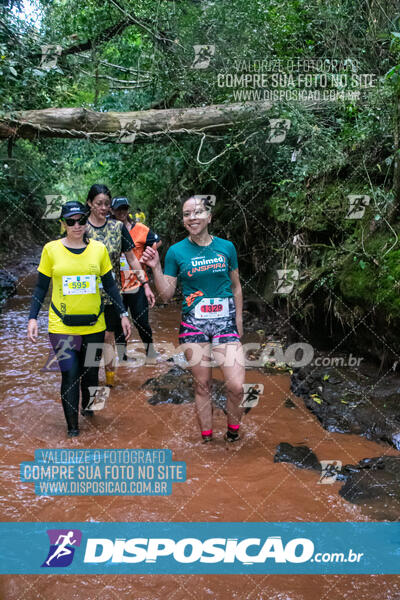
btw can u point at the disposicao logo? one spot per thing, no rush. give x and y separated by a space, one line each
190 550
62 547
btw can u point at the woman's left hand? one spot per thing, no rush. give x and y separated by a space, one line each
126 327
149 295
239 325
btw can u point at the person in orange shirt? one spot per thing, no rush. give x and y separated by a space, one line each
133 292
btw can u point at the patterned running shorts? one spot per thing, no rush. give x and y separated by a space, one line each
217 331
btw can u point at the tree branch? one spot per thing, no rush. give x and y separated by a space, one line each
144 125
144 24
113 79
109 65
105 36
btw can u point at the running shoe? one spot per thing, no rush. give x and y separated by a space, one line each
73 432
86 412
231 437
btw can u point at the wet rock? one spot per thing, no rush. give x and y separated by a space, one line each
17 264
8 285
371 479
289 403
261 318
300 456
176 387
349 401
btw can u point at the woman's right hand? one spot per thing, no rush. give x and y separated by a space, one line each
126 327
32 330
150 257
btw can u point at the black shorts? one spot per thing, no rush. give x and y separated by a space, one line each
112 318
217 331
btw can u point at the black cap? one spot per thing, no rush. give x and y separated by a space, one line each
119 203
73 208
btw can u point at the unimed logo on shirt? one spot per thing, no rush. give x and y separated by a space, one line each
200 264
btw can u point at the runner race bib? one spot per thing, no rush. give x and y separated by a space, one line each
79 284
212 308
123 263
129 280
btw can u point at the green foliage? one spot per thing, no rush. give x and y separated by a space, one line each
366 283
266 193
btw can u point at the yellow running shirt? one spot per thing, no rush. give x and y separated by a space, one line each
75 279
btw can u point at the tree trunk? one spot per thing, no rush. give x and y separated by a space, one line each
124 127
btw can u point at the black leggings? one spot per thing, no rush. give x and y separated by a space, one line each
71 352
139 307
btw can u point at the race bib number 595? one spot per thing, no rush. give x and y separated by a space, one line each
79 284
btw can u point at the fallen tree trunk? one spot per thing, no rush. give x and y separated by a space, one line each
125 127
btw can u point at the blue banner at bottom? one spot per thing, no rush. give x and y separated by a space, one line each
204 548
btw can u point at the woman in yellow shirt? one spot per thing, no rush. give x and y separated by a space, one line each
75 265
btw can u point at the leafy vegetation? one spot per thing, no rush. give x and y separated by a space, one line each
286 206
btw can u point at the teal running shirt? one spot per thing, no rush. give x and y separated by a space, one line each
202 271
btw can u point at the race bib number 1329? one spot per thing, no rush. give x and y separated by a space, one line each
212 308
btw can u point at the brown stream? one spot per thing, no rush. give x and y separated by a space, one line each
238 482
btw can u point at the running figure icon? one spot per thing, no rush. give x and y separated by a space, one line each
62 549
65 346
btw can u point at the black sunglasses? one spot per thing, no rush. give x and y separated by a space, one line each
71 222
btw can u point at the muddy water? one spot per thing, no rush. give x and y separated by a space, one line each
224 483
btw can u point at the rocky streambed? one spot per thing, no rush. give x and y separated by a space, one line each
375 478
359 402
363 401
8 285
176 387
13 266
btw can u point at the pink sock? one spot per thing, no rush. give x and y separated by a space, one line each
234 428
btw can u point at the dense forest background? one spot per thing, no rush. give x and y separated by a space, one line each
284 205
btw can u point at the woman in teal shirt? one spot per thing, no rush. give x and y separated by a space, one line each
207 269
